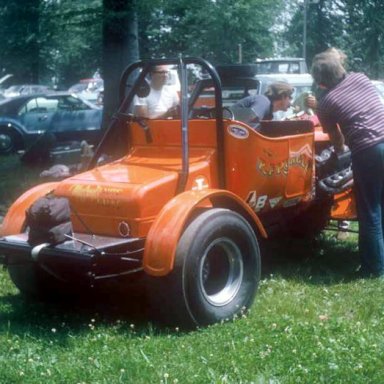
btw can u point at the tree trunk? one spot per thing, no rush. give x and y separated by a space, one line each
33 45
120 48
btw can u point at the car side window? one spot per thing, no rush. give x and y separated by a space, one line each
70 103
39 105
47 105
294 68
27 107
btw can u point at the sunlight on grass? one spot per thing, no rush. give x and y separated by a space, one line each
311 323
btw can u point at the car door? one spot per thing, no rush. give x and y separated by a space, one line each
75 119
36 115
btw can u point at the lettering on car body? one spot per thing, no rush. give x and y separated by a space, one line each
104 196
258 203
301 158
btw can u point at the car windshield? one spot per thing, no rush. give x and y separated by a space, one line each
14 88
281 67
53 104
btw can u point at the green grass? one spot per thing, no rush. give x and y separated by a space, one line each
15 178
312 322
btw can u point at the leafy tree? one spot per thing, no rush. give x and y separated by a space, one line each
207 28
72 39
20 46
46 38
325 28
355 26
365 35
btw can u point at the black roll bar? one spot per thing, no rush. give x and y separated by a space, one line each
126 100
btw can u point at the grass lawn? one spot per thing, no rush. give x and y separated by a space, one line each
311 322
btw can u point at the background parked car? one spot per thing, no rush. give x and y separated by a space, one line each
301 82
287 65
25 89
88 89
63 116
3 84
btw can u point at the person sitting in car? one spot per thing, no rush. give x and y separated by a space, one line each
261 107
162 98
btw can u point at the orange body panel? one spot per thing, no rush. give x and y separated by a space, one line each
268 172
162 240
15 218
135 188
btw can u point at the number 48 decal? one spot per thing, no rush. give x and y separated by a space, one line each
256 203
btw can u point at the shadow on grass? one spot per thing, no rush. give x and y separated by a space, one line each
76 314
323 261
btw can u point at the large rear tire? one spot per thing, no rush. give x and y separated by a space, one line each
216 272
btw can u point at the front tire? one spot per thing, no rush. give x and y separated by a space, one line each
7 141
216 272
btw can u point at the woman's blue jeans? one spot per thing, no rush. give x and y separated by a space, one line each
368 174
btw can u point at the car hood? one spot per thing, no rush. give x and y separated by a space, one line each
103 198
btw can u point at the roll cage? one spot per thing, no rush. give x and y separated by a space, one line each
133 82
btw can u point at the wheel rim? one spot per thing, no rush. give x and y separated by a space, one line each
221 271
5 142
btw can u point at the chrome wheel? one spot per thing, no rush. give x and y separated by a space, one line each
221 272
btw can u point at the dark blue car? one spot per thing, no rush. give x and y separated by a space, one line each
61 116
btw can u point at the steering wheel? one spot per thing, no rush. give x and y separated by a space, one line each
210 113
228 113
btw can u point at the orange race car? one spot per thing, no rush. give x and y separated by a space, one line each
181 200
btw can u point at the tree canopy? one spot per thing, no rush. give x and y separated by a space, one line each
215 30
62 40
